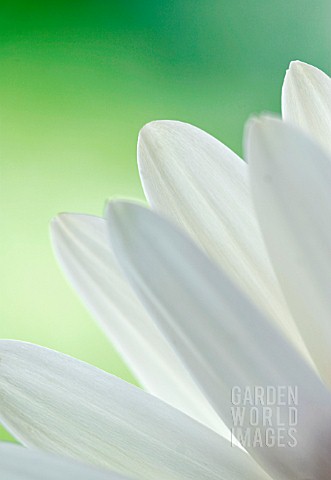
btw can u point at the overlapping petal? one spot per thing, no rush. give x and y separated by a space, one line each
201 184
82 247
223 339
291 178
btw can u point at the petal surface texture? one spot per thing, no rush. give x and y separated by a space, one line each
57 403
82 248
291 178
306 101
202 185
223 339
19 463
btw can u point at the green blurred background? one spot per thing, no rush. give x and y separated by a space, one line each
78 80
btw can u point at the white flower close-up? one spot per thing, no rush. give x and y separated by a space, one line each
223 283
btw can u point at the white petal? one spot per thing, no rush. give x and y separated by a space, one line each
19 463
56 403
202 185
224 340
291 178
306 101
82 247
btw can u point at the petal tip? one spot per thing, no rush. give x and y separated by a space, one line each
59 217
118 211
152 130
296 65
299 70
56 224
258 131
61 221
260 124
149 139
155 133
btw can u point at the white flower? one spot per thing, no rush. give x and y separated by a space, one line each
242 301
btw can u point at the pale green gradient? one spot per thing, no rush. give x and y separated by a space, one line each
78 81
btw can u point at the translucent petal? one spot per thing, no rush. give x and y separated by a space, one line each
202 185
223 339
291 178
82 248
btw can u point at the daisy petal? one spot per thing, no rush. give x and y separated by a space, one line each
203 186
59 404
306 101
291 179
82 248
224 340
18 463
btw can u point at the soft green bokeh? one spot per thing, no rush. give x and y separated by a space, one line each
78 80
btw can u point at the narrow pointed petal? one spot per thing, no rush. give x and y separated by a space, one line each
202 185
291 178
306 101
224 340
82 248
59 404
19 463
